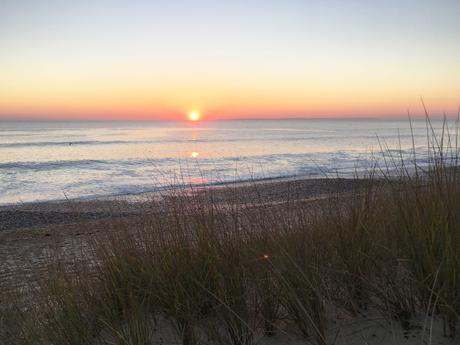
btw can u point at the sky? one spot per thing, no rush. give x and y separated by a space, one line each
100 59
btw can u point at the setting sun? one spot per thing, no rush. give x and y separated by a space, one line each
194 116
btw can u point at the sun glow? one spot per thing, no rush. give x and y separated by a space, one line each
194 116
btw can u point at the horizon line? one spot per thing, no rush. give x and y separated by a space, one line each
344 118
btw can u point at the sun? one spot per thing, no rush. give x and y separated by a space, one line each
194 116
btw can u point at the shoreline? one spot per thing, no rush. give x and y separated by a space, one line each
158 190
68 211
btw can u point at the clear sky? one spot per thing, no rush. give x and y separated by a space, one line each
162 59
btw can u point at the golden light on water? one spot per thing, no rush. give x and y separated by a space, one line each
194 154
194 116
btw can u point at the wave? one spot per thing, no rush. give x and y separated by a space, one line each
60 143
52 165
89 163
32 181
339 159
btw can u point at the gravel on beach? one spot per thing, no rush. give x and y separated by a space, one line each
45 214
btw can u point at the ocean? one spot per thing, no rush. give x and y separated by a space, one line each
47 160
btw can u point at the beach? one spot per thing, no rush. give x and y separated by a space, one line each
30 231
36 236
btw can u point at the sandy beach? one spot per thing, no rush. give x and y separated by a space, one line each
33 235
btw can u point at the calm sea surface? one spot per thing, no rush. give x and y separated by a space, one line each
50 160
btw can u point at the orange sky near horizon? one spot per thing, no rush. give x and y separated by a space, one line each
144 104
267 59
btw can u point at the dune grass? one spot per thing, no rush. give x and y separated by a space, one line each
232 272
